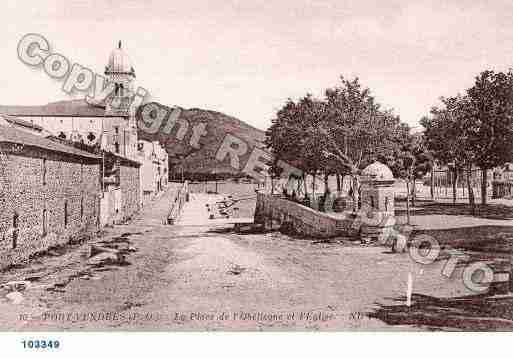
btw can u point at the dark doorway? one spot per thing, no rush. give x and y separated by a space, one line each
16 230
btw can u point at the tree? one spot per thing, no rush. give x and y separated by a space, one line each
293 138
476 129
446 136
340 134
410 162
489 112
358 131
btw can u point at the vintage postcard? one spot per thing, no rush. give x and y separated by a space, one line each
286 166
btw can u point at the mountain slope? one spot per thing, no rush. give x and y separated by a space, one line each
218 126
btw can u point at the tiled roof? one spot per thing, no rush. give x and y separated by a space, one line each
13 135
20 122
75 108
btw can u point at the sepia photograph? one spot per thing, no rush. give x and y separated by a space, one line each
256 166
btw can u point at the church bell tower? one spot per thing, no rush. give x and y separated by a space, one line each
121 73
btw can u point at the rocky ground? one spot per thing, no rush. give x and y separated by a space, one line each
200 275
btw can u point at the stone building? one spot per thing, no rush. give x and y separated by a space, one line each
163 165
154 168
111 123
121 195
49 193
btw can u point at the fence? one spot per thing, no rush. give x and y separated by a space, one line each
502 189
442 186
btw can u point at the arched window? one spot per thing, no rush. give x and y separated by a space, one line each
386 204
372 201
91 137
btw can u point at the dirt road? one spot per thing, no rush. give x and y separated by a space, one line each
197 275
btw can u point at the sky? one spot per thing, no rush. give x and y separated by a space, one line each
246 58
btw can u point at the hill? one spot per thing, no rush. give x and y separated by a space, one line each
218 126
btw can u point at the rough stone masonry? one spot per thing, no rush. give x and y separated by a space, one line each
49 193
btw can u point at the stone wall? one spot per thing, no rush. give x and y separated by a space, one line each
121 201
46 198
129 184
301 219
110 208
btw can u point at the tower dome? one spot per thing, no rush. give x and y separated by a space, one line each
377 171
120 72
119 63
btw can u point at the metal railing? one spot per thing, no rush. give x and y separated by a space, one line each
182 196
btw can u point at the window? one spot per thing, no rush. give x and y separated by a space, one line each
116 129
81 173
81 207
44 171
116 146
386 204
372 201
65 213
45 222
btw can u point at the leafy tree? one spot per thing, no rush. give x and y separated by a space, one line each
410 162
475 129
358 131
340 134
489 112
293 137
447 136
